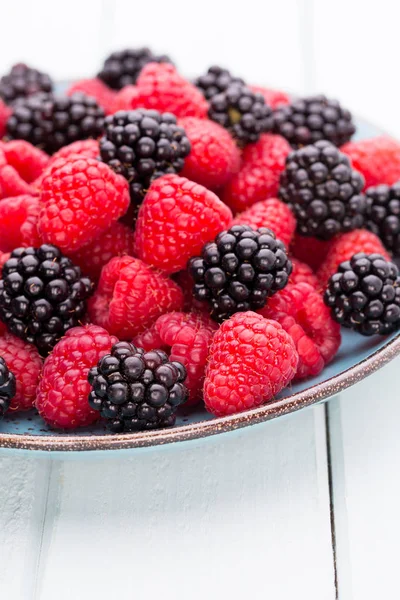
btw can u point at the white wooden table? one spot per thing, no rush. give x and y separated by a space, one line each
305 506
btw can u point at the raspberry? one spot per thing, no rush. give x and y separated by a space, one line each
80 198
23 81
186 337
258 178
136 390
160 87
344 246
310 250
175 220
251 360
116 241
273 98
123 67
62 398
27 160
302 273
96 89
271 213
214 157
131 296
378 159
301 311
11 182
186 283
215 81
25 363
5 113
18 222
383 214
7 387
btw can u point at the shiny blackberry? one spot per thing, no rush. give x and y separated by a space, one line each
53 122
240 270
123 67
243 112
23 81
42 295
364 295
383 215
7 387
137 390
142 145
307 120
215 81
323 191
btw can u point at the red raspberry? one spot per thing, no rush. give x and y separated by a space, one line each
273 98
4 256
271 213
344 246
214 157
11 182
18 222
190 303
5 112
378 159
80 198
258 178
131 296
116 241
25 363
62 398
98 90
27 160
186 337
310 250
251 360
175 220
160 87
301 311
303 273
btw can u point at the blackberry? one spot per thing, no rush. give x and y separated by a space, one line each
383 215
307 120
215 81
323 191
243 112
123 67
136 390
142 145
7 387
53 122
364 294
23 81
240 270
42 295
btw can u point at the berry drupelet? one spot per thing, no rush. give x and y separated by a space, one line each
240 270
7 387
323 191
123 67
383 214
136 390
242 112
215 81
307 120
142 145
42 295
364 294
50 122
23 81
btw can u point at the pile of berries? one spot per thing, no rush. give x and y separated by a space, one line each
166 242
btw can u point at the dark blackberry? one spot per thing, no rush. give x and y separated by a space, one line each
364 294
240 270
215 81
53 122
323 191
7 387
142 145
307 120
383 215
136 390
243 112
123 67
23 81
42 295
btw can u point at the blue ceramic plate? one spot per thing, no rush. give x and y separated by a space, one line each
357 358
